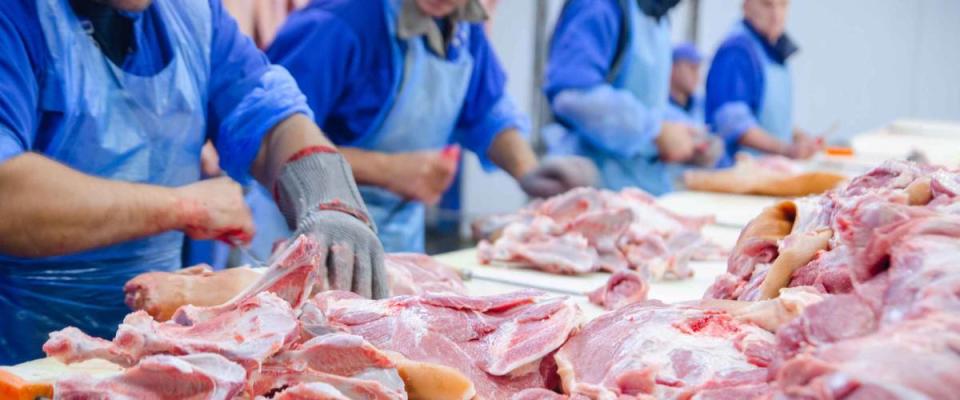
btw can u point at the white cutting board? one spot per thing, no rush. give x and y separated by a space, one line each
731 210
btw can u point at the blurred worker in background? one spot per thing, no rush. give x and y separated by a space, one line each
608 81
750 87
685 105
401 84
106 106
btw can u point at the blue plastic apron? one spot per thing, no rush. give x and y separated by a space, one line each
646 74
430 93
776 112
119 126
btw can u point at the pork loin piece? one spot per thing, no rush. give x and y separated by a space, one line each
917 359
664 351
254 330
501 343
193 377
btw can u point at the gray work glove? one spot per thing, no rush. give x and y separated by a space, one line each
558 175
318 196
708 150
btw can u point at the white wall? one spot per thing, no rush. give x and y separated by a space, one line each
863 63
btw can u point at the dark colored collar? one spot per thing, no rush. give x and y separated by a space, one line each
685 107
656 8
779 51
111 29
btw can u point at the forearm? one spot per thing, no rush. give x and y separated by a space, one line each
368 166
758 139
512 153
612 119
49 209
285 140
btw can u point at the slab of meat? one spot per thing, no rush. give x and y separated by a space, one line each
161 377
254 330
917 359
161 293
336 354
652 350
415 274
501 342
291 275
624 287
877 204
587 230
767 176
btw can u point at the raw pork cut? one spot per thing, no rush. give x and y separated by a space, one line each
415 274
161 293
664 351
161 377
254 330
501 343
586 230
917 359
766 176
623 288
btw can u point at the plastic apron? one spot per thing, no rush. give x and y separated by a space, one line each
430 93
119 126
776 112
646 75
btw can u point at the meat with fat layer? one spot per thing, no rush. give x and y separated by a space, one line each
653 350
501 343
161 377
622 288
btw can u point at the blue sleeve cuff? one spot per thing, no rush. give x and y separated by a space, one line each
610 119
733 120
10 147
275 98
503 116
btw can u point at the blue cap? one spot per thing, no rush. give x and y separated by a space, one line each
687 52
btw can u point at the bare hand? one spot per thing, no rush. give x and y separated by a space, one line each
423 175
803 147
215 209
676 142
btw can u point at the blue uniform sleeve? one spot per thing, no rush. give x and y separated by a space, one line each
488 110
18 81
320 51
247 95
734 92
582 50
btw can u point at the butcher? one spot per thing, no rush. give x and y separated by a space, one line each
402 86
608 81
106 105
750 86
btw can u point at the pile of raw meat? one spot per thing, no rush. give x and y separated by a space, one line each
274 341
881 253
587 230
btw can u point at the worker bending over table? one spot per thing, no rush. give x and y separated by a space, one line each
401 84
750 86
106 106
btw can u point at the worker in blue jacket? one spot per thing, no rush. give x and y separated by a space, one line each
608 80
106 105
750 86
401 85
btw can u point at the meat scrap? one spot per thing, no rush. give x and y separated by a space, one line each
767 176
502 343
587 230
653 350
624 287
